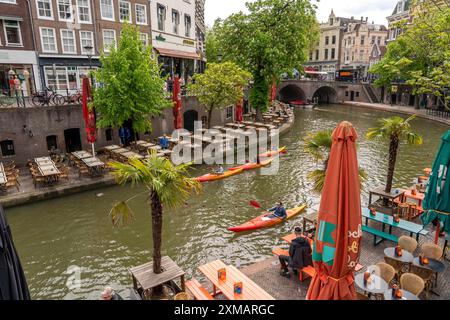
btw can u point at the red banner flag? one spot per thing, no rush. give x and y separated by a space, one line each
177 120
89 116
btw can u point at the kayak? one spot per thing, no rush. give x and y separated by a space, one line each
214 177
269 154
259 222
251 166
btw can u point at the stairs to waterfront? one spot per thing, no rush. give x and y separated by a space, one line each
369 92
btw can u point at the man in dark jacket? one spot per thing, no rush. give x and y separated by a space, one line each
299 254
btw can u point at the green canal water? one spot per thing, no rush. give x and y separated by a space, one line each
53 236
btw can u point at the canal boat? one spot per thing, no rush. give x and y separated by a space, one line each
254 165
214 177
261 221
272 153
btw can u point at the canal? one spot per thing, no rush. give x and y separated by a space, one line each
55 237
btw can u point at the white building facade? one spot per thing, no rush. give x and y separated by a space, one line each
174 36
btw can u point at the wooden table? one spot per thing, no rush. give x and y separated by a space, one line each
289 238
395 196
145 279
251 291
120 150
112 147
94 165
132 155
387 220
82 155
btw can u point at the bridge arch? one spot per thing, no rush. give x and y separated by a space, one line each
291 92
326 94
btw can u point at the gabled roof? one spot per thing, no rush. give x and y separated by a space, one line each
407 6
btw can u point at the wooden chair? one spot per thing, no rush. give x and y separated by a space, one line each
83 171
398 266
38 178
432 251
64 173
412 283
403 210
407 243
11 183
387 272
427 276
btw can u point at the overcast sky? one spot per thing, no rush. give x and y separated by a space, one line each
376 10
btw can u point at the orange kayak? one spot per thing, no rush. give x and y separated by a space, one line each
269 154
260 222
251 166
214 177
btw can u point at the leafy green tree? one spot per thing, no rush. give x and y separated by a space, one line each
131 84
395 130
318 145
220 86
168 186
420 56
273 38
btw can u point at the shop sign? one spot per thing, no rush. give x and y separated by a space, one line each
394 89
188 43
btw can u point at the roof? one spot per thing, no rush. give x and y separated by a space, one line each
406 8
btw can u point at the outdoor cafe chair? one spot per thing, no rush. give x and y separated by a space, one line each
407 243
398 266
386 271
432 251
412 283
64 173
11 183
427 276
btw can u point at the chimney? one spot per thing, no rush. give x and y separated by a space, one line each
353 17
367 18
362 19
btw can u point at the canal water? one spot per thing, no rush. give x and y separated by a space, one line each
68 239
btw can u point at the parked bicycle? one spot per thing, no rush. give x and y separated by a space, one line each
74 98
47 97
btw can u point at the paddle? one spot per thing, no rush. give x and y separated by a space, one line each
255 204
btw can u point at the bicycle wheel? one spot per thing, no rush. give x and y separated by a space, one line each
37 101
58 100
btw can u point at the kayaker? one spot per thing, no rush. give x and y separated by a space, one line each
299 255
279 211
219 170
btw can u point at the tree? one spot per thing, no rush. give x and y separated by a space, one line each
420 56
131 84
273 38
395 130
168 186
220 86
318 145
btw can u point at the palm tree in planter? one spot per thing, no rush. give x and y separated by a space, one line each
168 186
395 130
318 145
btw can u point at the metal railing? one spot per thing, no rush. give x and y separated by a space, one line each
440 113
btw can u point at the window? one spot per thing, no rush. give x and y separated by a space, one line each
362 40
379 40
361 55
333 53
87 39
327 41
310 56
56 78
12 33
144 38
317 54
108 134
125 11
373 39
161 11
331 21
65 10
84 11
175 21
107 9
187 25
48 40
333 40
357 94
109 39
7 147
346 93
141 14
229 112
52 143
68 41
45 9
326 54
9 1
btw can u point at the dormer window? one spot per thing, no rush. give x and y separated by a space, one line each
331 21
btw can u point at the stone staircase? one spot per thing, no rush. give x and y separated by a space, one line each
370 93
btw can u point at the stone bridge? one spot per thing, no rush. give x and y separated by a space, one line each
326 91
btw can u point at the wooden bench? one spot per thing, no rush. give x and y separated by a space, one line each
309 271
197 290
378 233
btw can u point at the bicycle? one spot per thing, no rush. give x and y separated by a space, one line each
47 97
74 98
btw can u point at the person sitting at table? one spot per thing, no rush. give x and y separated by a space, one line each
299 255
164 142
279 211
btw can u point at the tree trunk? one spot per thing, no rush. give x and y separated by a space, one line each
417 101
393 149
157 221
259 117
209 118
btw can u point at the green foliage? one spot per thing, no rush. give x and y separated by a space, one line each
421 55
395 127
220 86
131 84
273 38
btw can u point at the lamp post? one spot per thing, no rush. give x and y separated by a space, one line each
89 50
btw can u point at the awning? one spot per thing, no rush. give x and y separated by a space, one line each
315 72
11 18
178 54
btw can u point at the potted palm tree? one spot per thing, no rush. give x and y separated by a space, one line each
318 145
168 186
395 130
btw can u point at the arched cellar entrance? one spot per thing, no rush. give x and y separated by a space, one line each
326 95
292 93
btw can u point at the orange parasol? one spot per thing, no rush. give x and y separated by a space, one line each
338 239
